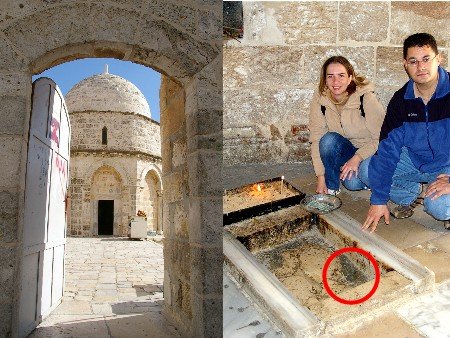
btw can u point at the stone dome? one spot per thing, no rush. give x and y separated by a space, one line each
107 92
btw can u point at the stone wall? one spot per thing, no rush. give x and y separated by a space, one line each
127 169
126 132
271 73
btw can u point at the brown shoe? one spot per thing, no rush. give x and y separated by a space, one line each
447 224
403 211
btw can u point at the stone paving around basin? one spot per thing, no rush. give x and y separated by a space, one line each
113 288
420 236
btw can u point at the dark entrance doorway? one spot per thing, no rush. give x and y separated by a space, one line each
105 217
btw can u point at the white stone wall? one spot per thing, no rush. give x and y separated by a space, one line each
108 91
96 176
126 132
269 75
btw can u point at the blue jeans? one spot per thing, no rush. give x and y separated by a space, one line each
406 186
335 150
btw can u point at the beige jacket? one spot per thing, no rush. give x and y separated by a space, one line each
363 132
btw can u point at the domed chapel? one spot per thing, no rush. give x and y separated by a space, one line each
115 165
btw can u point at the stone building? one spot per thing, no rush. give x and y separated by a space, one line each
115 167
271 73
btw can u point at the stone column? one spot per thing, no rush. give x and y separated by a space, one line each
15 105
204 153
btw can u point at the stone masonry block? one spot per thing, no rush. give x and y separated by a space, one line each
390 69
13 114
254 151
209 26
167 156
7 273
172 187
420 16
180 220
208 142
189 54
36 34
362 58
204 122
205 174
181 16
209 316
256 66
203 98
266 106
113 24
371 16
15 84
6 314
207 269
206 220
179 255
10 153
9 59
292 23
8 216
179 152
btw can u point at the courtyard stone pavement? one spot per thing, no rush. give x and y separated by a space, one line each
113 288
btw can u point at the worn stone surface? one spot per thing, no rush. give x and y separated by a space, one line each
290 22
14 115
209 229
274 66
372 17
420 16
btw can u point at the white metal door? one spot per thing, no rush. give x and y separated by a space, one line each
45 223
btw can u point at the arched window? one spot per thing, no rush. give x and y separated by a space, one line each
105 135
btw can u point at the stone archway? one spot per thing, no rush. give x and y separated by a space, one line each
106 185
183 42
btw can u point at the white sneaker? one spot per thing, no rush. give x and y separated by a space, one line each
333 192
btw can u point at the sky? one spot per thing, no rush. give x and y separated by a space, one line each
146 79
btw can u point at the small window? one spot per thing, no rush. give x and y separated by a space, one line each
105 135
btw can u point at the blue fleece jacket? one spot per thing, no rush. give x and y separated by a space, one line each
423 129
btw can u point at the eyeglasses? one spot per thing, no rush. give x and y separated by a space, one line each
425 60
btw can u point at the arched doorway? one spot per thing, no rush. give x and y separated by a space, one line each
151 201
106 202
188 53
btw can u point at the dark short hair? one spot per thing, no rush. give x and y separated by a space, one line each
356 80
419 40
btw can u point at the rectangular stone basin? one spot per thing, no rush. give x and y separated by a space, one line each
278 259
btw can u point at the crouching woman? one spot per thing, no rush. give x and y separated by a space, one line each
344 122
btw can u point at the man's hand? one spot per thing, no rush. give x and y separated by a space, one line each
374 215
350 168
321 186
439 187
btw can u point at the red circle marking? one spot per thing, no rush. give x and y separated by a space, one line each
327 265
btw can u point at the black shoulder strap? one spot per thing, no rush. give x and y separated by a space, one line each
361 106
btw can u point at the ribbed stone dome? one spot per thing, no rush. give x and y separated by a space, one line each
107 92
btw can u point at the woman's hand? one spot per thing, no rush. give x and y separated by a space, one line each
350 168
439 187
321 186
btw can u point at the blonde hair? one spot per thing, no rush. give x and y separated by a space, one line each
357 80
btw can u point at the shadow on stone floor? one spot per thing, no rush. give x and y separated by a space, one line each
135 307
147 289
131 325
